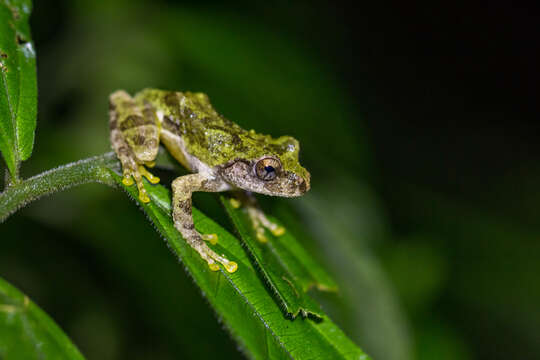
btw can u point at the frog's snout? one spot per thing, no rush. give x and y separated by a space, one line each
304 185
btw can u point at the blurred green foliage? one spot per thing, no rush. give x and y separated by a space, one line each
422 275
26 332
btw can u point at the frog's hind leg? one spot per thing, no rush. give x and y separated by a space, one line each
259 222
134 138
182 188
130 168
132 172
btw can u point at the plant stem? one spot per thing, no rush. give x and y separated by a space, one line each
64 177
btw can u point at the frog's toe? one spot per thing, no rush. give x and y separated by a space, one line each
154 180
211 238
214 259
211 257
231 266
151 178
127 180
277 230
134 176
260 235
274 228
143 196
235 203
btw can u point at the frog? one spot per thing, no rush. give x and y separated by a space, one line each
219 155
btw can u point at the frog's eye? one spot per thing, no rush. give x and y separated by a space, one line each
267 168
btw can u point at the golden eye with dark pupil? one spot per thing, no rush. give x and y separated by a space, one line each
267 169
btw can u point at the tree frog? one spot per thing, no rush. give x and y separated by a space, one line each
220 155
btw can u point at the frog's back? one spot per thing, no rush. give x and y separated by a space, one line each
206 134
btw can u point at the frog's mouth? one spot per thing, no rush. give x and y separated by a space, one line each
286 185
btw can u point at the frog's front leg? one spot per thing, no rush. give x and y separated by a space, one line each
183 187
258 219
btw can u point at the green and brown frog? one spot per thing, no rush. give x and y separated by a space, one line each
220 154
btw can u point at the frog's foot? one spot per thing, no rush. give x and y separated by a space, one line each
153 179
196 242
211 238
260 222
136 174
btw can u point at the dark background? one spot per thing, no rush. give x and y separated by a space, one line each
418 121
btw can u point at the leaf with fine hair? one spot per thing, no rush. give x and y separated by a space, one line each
27 333
18 86
241 299
287 268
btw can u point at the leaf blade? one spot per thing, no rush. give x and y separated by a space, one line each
288 268
241 299
26 332
18 84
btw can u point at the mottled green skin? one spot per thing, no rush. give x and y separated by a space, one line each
212 138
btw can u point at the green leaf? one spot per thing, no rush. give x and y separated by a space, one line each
18 86
241 299
287 268
26 332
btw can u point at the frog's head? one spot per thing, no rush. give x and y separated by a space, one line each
274 171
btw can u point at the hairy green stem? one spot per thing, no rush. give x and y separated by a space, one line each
64 177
